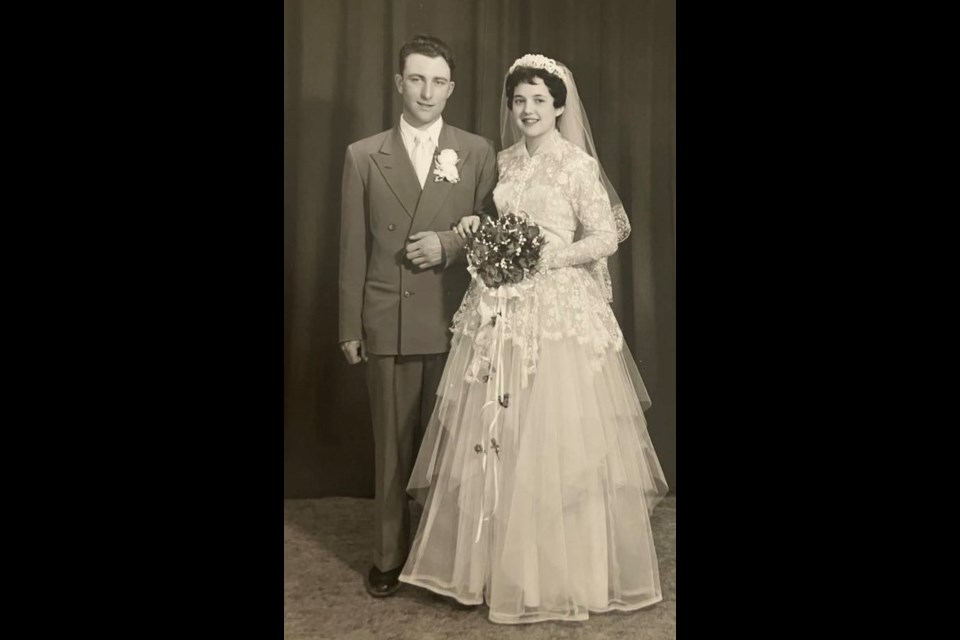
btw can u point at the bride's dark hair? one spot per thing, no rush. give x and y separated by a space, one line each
556 86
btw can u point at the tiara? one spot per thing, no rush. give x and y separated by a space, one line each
538 61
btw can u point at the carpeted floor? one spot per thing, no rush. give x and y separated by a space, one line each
326 549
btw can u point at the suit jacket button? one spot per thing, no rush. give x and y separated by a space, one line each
392 227
407 294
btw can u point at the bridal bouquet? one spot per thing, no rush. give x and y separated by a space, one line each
504 250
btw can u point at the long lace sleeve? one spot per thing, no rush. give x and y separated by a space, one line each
598 230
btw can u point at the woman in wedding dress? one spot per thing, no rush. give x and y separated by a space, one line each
537 473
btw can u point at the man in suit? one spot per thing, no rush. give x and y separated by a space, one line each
402 275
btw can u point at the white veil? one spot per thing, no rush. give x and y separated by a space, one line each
575 128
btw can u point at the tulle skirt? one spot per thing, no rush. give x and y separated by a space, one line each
538 485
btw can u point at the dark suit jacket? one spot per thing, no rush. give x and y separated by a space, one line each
396 307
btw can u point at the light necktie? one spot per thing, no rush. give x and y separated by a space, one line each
422 155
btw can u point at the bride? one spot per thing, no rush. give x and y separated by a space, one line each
536 472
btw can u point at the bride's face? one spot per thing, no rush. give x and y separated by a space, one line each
533 109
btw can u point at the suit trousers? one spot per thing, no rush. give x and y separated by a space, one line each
403 393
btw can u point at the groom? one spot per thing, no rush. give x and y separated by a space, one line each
403 190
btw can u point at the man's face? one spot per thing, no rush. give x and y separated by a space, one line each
425 86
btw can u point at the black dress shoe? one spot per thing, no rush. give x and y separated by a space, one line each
381 584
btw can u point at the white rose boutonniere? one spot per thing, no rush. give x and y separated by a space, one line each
445 167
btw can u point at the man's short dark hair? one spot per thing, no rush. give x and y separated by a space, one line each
428 46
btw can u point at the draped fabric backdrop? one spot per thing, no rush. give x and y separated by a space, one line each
339 58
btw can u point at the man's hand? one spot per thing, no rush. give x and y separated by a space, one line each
424 249
354 350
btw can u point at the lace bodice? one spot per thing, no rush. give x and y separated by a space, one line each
558 187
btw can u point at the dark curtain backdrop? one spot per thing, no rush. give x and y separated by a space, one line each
339 58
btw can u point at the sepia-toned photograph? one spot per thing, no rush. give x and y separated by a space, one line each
480 319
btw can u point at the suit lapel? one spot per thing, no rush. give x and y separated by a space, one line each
435 193
396 168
